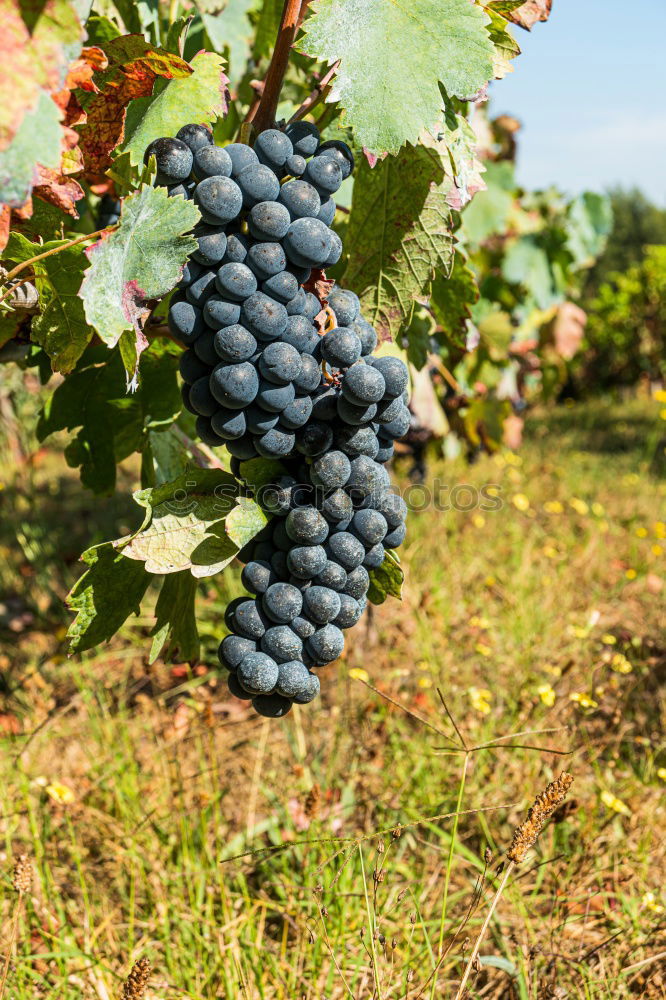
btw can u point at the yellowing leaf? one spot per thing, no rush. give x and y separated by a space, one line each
359 674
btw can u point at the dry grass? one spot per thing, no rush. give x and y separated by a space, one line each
354 850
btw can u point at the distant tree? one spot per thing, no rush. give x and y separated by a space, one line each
637 224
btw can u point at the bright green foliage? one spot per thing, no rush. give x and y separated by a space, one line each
386 581
61 327
200 97
108 592
143 259
18 161
398 235
488 213
393 59
450 300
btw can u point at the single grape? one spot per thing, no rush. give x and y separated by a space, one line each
321 604
185 397
398 427
324 404
234 343
309 376
293 677
273 147
263 316
355 415
337 506
295 165
242 449
303 627
211 161
231 611
374 556
309 691
237 247
235 281
201 398
257 577
241 156
201 289
295 306
391 505
204 348
306 526
335 253
331 470
190 367
275 398
314 439
297 413
340 347
300 333
395 537
219 199
282 602
326 644
344 548
185 189
266 259
308 242
312 306
388 410
395 375
345 305
333 576
259 421
195 136
234 386
268 220
191 271
280 537
282 643
385 454
275 443
366 334
257 183
366 476
304 137
363 384
342 154
229 424
219 313
324 173
350 612
369 525
282 287
358 581
185 320
306 561
250 620
173 158
272 706
235 688
263 551
257 673
326 213
280 363
300 199
233 649
355 441
211 244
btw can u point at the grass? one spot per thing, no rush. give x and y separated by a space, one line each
354 849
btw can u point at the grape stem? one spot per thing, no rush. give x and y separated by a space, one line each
262 116
49 253
317 95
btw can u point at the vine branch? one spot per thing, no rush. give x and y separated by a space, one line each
314 98
49 253
263 115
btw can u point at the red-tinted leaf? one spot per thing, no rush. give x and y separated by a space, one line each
58 190
530 12
5 222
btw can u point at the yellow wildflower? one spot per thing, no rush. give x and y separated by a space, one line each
480 699
424 682
512 459
483 649
579 506
550 552
641 532
657 550
598 509
520 502
662 414
631 574
659 395
553 507
620 664
583 699
546 694
608 639
59 793
617 805
478 520
649 901
661 773
359 674
659 529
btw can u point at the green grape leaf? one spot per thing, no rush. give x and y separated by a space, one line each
61 327
266 28
419 47
526 263
258 472
18 162
143 259
450 300
399 235
109 424
488 212
231 29
589 223
176 625
386 580
109 591
200 97
506 46
186 524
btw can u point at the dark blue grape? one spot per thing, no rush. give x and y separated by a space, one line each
237 248
312 306
333 576
234 386
273 147
295 306
395 537
341 153
275 398
309 692
201 398
257 576
357 441
219 199
258 183
185 320
308 242
211 244
335 253
280 363
297 413
300 333
204 348
346 549
242 449
321 604
185 396
349 614
219 312
191 271
293 677
257 673
264 317
306 526
366 334
366 476
259 421
235 281
199 291
266 259
326 644
398 427
355 415
241 156
231 611
309 377
195 136
385 454
282 602
358 581
337 506
263 551
272 706
174 160
233 649
326 213
234 343
324 404
184 189
229 424
191 368
306 561
374 556
314 439
280 537
211 161
331 470
388 410
369 525
282 287
275 443
363 384
300 199
395 375
324 173
295 165
282 643
250 620
268 220
341 347
303 627
391 505
344 304
304 137
235 688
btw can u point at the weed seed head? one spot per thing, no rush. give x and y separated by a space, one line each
545 804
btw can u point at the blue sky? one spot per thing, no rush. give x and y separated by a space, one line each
590 90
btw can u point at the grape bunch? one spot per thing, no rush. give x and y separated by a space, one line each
271 371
